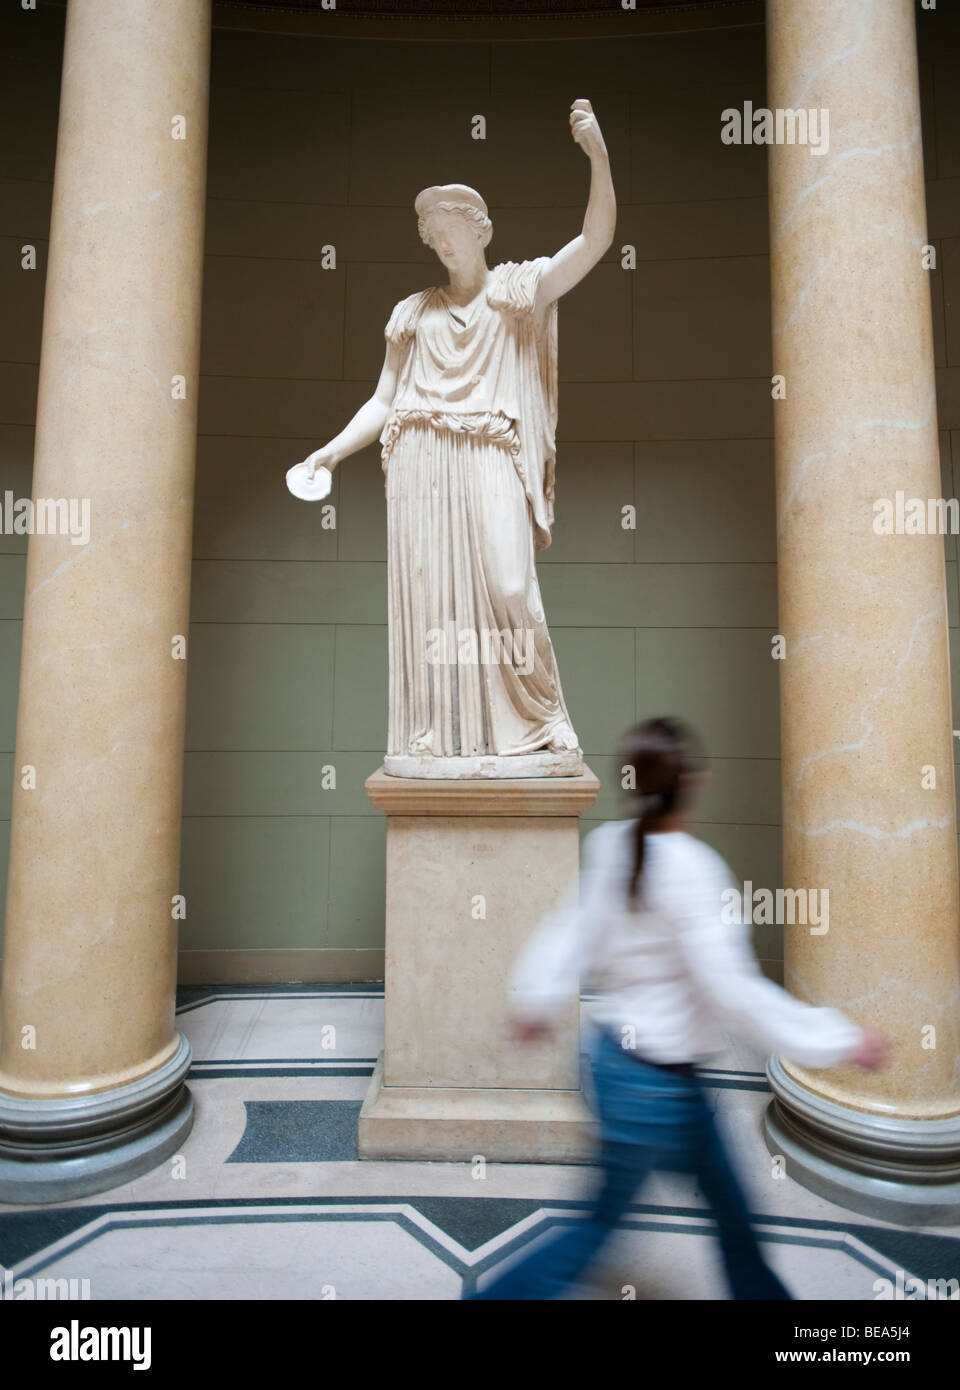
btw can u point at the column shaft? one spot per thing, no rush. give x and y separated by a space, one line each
90 941
868 785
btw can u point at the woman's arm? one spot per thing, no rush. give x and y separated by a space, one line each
368 423
546 976
720 960
572 262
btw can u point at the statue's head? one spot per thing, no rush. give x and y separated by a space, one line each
453 222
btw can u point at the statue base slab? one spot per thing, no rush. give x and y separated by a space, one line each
429 768
463 1123
473 867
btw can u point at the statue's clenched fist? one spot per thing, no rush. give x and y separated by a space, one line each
586 129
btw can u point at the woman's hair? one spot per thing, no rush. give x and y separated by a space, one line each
480 221
663 755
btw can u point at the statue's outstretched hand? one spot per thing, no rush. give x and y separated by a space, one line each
320 458
585 129
312 480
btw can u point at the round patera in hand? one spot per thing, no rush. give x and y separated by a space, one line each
306 488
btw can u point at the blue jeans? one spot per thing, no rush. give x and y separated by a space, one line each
650 1118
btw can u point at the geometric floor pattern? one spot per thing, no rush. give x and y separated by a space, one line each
268 1199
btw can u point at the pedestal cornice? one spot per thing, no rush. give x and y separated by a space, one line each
521 796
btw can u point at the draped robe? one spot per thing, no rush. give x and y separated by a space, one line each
468 451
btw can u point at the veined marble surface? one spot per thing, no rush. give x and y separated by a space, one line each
868 757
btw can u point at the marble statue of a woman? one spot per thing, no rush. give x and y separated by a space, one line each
466 412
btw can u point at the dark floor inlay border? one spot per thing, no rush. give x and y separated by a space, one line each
299 1131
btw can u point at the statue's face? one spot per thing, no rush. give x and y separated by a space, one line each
454 239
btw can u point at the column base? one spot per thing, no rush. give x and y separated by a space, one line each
54 1150
455 1124
905 1171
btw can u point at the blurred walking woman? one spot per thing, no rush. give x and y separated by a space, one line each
647 931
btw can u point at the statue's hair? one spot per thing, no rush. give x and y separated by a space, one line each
481 222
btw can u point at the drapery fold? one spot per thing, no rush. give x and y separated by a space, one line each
474 668
496 357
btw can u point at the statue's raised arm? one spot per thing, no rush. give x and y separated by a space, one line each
573 261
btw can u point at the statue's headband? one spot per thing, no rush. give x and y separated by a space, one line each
448 193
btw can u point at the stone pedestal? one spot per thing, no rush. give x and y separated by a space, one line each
473 866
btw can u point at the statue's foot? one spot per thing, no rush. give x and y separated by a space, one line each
563 739
421 745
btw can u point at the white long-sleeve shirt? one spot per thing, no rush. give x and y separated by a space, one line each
672 971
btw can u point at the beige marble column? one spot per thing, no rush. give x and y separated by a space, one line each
90 941
865 685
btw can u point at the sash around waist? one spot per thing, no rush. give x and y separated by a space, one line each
490 425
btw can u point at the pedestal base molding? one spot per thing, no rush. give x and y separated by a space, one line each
457 1124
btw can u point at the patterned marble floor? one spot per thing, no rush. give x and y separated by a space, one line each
269 1201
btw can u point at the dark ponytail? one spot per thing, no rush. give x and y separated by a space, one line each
659 757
